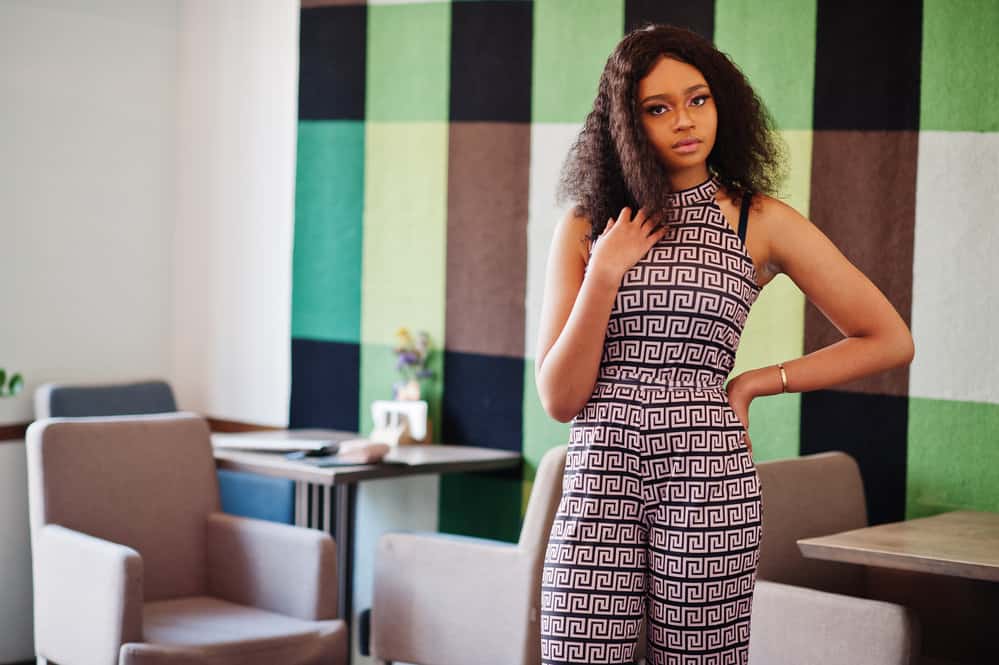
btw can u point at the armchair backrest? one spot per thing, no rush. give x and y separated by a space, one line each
147 482
543 502
546 492
64 400
811 495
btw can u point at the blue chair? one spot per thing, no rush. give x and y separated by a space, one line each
243 494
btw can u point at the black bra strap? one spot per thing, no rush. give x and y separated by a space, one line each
744 216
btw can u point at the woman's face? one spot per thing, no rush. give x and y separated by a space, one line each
678 113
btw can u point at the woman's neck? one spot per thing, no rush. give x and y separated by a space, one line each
688 178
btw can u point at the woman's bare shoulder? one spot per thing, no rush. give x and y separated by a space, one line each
773 217
772 209
791 235
575 230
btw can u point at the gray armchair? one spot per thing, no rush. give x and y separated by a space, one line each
134 564
453 600
814 611
445 600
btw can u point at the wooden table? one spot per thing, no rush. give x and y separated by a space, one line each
325 496
962 543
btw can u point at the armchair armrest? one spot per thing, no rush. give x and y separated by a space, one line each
452 600
793 624
88 596
276 567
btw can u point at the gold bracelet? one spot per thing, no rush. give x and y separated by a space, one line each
783 378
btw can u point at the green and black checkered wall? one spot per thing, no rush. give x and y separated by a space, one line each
430 139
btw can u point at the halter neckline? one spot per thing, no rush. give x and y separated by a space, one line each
703 192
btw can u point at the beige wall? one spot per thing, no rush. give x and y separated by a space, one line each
147 155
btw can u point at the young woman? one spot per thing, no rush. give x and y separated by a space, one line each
650 279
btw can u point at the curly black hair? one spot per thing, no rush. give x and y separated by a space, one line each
612 164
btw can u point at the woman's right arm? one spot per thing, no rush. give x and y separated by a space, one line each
577 305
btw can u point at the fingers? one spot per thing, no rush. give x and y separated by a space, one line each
657 233
646 221
642 219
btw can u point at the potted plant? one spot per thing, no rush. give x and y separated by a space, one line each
11 387
411 363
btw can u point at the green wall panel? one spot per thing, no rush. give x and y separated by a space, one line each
329 199
408 58
489 505
572 39
773 43
953 457
541 431
959 64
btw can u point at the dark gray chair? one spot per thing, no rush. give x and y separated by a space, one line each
56 400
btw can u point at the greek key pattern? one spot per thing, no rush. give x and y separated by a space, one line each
660 518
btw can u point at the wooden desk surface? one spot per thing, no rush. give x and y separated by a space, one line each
406 460
962 543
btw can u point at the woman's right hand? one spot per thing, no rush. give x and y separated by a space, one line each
623 243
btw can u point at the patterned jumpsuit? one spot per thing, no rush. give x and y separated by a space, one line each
661 516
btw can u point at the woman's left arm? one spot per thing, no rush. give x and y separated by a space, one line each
877 337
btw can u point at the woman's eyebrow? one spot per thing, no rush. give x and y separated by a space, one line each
664 95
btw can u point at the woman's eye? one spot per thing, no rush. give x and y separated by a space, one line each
700 100
652 109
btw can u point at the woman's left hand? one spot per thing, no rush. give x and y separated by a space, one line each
739 401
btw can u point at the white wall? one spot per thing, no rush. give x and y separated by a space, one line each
147 164
237 110
87 164
147 173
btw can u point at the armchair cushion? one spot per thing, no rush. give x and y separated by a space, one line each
794 625
202 629
271 566
88 596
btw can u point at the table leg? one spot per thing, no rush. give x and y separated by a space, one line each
343 534
314 491
331 509
328 510
301 503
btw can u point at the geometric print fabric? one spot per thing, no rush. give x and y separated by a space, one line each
660 518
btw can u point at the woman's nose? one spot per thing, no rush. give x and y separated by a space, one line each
682 119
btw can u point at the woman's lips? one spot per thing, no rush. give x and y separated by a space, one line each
687 145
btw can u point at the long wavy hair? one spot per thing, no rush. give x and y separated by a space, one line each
612 164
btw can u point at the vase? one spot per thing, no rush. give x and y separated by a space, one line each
409 390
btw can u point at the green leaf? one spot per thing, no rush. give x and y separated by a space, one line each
16 384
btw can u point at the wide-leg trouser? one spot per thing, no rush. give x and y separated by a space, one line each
660 519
